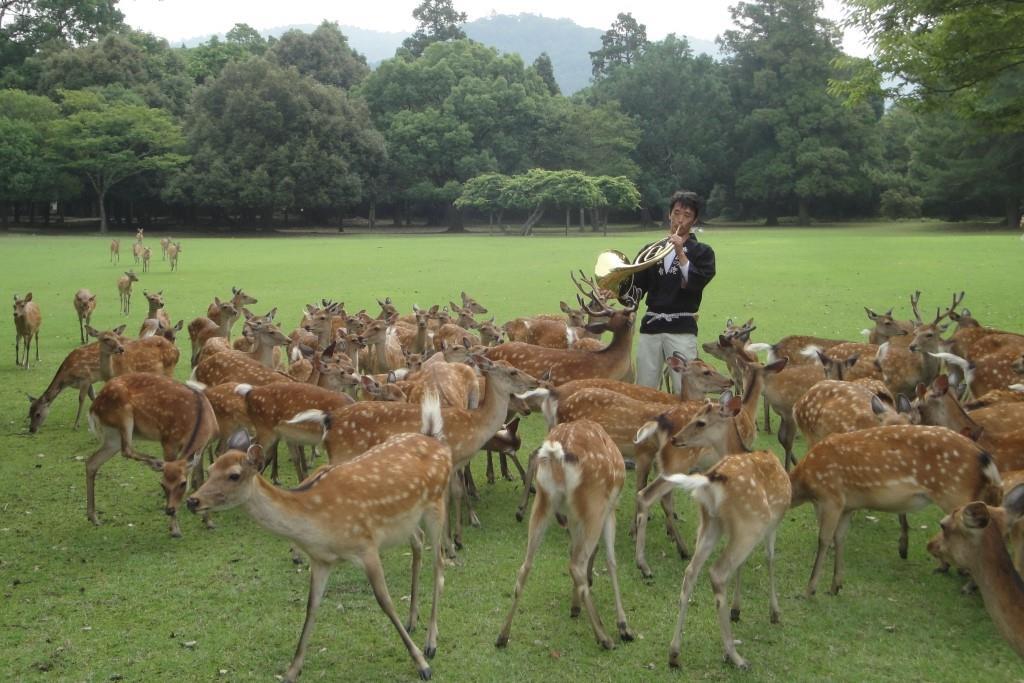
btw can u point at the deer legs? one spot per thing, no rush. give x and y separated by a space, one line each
659 490
319 572
111 445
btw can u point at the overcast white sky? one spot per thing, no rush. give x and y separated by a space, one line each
180 19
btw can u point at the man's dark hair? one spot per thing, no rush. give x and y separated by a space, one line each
689 200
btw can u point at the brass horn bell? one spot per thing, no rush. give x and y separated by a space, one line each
613 266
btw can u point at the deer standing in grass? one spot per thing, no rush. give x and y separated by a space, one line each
894 469
151 354
160 409
202 329
156 310
744 498
173 252
27 321
165 242
351 511
115 251
239 299
147 254
353 430
579 470
972 538
85 304
124 288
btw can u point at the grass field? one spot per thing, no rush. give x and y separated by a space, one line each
124 601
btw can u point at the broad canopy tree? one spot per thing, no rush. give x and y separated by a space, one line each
262 138
438 21
107 142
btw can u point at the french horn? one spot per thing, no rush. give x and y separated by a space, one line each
613 266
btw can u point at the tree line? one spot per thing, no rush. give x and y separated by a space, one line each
248 130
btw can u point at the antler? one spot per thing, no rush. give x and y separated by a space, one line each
914 299
591 293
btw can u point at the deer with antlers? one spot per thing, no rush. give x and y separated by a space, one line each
160 409
580 470
743 497
124 289
27 321
894 469
563 365
352 510
904 368
84 303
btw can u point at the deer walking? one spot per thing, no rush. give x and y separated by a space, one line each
352 511
173 252
580 470
115 251
84 303
124 289
27 321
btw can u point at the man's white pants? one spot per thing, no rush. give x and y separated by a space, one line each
653 349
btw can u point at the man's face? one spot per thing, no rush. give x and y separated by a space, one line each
682 218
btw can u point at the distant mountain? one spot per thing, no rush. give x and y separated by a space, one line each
566 42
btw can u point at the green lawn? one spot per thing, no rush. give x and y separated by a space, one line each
126 602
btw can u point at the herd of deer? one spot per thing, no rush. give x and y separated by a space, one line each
169 251
401 404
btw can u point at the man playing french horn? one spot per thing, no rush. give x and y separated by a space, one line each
673 290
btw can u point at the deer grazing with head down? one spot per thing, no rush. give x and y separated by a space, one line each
743 497
84 303
579 470
893 469
352 510
27 321
124 288
159 409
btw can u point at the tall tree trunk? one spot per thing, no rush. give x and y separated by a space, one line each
568 215
103 211
373 215
771 218
32 213
804 212
501 226
454 219
532 220
645 218
17 212
1012 212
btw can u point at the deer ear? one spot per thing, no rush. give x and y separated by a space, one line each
975 515
676 362
254 456
734 406
877 407
777 366
154 464
565 307
903 404
119 330
941 385
160 293
1013 502
28 297
31 398
91 331
181 324
513 425
239 441
216 301
648 430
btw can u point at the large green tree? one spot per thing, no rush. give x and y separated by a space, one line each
798 146
622 44
948 56
106 142
438 21
681 105
28 26
324 55
206 61
456 112
132 60
29 169
264 138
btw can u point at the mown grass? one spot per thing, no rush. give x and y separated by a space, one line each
126 602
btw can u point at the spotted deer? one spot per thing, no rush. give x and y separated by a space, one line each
744 498
999 430
27 321
887 327
115 251
156 408
697 380
124 289
85 304
269 408
353 430
580 470
835 407
971 536
734 433
239 366
563 365
903 369
165 242
147 254
352 510
120 356
893 469
992 371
